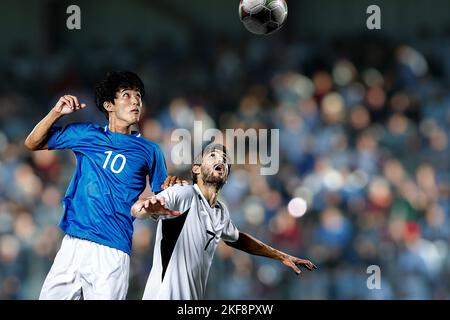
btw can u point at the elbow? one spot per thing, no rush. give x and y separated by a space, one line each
29 145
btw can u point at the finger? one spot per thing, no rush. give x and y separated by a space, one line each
136 208
304 263
178 181
172 212
153 200
146 204
173 180
76 101
307 264
83 105
166 183
60 102
184 183
69 98
161 200
296 269
66 102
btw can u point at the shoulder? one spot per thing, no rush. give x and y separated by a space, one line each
180 191
151 146
223 206
87 126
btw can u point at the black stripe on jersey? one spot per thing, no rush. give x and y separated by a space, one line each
171 229
210 239
201 199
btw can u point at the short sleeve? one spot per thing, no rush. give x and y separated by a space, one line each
66 137
169 199
158 170
230 232
177 198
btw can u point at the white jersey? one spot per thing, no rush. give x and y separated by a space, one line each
185 245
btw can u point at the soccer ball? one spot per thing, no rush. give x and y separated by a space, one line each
263 16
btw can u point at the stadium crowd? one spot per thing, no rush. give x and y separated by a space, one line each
364 139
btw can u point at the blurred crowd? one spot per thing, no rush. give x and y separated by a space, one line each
364 140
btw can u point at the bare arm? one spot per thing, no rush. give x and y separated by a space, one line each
252 245
38 138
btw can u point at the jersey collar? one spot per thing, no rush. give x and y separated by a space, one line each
202 197
136 134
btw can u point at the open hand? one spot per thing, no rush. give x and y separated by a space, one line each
152 206
173 180
293 262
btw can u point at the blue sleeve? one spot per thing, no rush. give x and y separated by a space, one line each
65 137
158 170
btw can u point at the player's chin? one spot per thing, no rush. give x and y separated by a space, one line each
217 179
133 120
134 117
220 175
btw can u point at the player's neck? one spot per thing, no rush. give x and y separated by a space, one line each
118 126
210 192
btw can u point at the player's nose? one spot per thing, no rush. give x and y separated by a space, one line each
134 100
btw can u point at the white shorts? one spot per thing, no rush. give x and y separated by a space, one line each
87 270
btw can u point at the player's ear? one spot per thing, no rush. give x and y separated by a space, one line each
108 106
196 169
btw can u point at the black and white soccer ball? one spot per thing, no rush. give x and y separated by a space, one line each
263 16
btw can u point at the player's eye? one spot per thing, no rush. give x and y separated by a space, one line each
126 95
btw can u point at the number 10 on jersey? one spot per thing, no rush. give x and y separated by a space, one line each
113 165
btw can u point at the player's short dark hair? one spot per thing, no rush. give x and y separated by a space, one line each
208 149
106 89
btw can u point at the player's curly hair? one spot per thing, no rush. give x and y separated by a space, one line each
106 89
208 149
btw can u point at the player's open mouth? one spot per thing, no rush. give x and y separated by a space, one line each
219 167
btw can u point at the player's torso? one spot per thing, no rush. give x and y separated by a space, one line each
185 247
112 163
199 237
110 174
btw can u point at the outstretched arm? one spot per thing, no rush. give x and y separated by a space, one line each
252 245
37 139
151 207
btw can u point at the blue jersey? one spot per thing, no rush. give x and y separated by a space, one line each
110 175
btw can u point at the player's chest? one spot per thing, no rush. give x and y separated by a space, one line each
208 229
117 160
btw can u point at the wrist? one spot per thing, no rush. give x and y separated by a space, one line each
55 115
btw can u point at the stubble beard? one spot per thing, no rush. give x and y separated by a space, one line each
211 180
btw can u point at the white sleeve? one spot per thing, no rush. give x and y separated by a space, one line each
170 200
230 232
177 198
